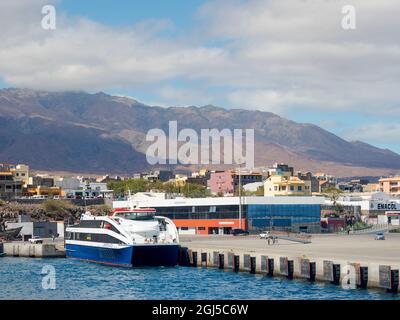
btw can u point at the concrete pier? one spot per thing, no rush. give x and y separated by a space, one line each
360 261
30 250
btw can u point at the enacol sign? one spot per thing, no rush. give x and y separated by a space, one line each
385 206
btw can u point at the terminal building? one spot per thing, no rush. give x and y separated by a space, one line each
372 204
220 215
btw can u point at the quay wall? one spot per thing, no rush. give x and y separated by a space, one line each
336 271
31 250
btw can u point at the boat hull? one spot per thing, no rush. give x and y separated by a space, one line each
130 256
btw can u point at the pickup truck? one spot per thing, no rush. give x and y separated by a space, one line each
35 240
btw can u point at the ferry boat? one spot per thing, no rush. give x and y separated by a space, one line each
126 238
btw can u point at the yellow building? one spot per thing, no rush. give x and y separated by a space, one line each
390 185
44 191
286 185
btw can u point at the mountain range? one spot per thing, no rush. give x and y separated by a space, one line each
101 133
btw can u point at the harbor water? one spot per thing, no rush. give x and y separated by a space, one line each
27 278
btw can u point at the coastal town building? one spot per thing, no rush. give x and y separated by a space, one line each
372 205
21 173
326 181
286 185
226 183
390 185
219 215
41 181
11 184
313 181
8 186
40 229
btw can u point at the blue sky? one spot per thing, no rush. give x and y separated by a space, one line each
290 58
124 12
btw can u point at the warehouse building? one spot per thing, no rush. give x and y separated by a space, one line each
222 214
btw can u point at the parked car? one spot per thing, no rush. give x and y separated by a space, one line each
265 234
239 232
380 236
35 240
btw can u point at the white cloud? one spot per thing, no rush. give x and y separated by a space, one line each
378 133
275 55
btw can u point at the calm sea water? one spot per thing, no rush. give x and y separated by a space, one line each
22 279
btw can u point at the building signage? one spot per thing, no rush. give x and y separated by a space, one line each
386 206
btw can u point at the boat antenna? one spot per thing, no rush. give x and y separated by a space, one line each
130 198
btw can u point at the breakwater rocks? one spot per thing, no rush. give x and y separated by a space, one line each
59 210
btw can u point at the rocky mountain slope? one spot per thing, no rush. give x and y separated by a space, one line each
99 133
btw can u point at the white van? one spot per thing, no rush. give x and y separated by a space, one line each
39 197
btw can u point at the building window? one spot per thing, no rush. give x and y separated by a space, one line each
201 228
184 228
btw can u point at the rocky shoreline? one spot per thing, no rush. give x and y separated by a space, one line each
44 212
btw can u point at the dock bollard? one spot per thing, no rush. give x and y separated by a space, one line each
215 259
221 262
270 267
336 274
194 255
394 277
236 263
184 257
204 259
290 269
253 265
313 271
230 260
388 278
286 267
308 269
363 277
246 262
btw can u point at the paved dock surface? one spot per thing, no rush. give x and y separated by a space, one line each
361 248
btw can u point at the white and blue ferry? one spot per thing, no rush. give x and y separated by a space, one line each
126 238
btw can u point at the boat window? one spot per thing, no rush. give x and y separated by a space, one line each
109 226
93 237
139 216
90 224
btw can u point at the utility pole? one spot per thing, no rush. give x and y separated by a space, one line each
240 198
